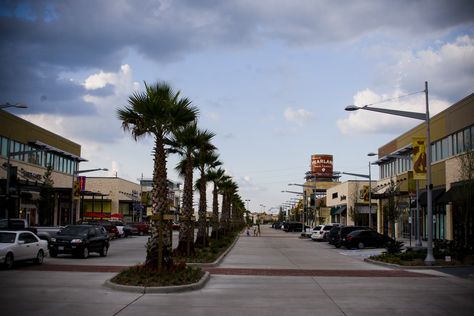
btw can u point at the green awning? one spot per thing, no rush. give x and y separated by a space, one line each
338 210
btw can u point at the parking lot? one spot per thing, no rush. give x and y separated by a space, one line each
334 282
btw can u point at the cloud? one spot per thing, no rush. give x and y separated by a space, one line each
368 122
449 68
42 40
298 116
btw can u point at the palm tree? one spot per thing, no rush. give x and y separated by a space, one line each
187 142
228 189
216 176
158 111
207 160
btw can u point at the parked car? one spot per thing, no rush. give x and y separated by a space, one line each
309 232
80 240
16 224
120 228
142 228
293 227
130 230
21 245
340 238
111 229
365 238
322 233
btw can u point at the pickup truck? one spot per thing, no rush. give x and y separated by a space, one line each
15 224
43 232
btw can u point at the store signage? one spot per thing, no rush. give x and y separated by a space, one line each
322 166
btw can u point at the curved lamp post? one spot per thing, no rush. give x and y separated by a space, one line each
429 260
16 105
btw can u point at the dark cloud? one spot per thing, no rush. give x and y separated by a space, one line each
42 39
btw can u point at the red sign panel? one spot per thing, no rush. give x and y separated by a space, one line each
82 183
321 166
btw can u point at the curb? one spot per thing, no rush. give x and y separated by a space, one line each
159 289
218 260
397 266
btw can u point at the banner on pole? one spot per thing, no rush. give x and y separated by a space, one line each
419 158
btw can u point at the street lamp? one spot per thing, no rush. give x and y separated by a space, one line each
16 105
429 260
370 189
74 176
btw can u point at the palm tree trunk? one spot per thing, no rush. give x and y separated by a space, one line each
215 212
186 231
202 234
159 244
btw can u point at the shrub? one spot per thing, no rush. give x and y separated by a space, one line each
394 247
140 275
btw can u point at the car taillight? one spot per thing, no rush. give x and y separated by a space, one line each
349 237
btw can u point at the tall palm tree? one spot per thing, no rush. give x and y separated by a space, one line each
206 160
216 176
228 188
158 111
187 141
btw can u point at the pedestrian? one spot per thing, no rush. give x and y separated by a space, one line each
255 231
258 229
248 231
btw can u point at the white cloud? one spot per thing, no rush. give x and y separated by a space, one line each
448 69
298 116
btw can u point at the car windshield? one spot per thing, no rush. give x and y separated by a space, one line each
74 230
7 238
327 228
317 228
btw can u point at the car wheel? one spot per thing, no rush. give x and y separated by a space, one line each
103 251
140 233
9 260
53 253
39 257
360 245
338 245
85 253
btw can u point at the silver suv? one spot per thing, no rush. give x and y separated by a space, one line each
323 233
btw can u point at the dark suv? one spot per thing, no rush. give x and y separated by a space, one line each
337 235
80 240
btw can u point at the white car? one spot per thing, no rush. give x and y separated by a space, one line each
21 246
323 233
310 231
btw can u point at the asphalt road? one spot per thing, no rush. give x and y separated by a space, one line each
275 274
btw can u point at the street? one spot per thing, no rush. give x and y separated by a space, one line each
331 282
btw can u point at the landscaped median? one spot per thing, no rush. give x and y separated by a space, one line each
414 259
180 278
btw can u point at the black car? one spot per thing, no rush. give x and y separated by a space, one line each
80 240
294 227
366 238
339 238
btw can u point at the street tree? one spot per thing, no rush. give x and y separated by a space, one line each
158 111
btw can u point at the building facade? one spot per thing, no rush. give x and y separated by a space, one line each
349 203
452 136
26 152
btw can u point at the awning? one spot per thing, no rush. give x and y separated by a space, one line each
338 210
97 215
456 193
435 195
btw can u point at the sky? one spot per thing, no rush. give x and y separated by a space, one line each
271 78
